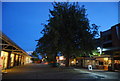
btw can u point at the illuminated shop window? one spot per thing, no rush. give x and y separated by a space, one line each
19 58
16 57
12 59
4 56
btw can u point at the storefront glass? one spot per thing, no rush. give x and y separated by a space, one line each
12 60
4 56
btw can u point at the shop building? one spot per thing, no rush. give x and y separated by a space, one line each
110 46
109 52
109 49
61 60
11 54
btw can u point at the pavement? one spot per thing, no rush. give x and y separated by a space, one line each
44 71
0 75
102 74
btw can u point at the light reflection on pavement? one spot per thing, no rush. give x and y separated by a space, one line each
100 74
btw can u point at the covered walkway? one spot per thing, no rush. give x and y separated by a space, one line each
11 54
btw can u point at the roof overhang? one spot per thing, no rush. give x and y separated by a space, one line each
8 45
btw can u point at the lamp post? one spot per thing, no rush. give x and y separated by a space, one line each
99 50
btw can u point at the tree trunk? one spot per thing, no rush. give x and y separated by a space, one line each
67 61
55 57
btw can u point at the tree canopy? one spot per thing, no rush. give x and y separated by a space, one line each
68 31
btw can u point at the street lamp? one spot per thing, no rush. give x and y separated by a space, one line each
99 50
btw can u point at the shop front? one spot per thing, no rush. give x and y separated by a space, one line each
115 64
10 60
4 58
73 62
61 60
90 61
11 54
103 62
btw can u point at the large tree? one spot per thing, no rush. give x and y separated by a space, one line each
46 45
68 31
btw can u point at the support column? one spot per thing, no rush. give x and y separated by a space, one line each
22 60
83 62
0 53
111 67
9 60
14 60
112 62
18 60
17 56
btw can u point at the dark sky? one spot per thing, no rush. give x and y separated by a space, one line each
21 21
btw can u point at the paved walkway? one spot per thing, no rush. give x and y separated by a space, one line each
42 71
100 73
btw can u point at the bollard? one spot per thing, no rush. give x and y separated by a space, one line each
89 67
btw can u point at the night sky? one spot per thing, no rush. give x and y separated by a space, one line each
21 21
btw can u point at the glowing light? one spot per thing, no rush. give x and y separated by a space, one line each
61 58
76 61
12 59
98 47
105 59
46 63
99 50
72 62
4 56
